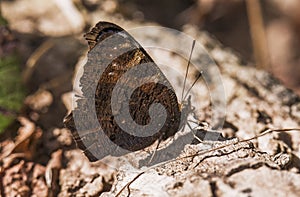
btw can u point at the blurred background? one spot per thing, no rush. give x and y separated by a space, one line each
228 20
42 42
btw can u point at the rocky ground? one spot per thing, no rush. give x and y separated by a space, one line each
38 156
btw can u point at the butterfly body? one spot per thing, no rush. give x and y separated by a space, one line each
108 90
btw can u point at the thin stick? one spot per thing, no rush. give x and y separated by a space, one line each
7 112
257 32
128 184
202 153
35 56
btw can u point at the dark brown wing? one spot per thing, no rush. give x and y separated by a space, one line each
98 120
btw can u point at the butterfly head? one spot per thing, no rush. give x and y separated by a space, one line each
186 109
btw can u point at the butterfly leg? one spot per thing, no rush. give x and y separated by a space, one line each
194 134
156 148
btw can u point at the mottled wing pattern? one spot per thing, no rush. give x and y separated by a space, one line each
113 52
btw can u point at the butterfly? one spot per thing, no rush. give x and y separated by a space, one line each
127 101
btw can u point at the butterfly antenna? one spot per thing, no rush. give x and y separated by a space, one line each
198 77
187 68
